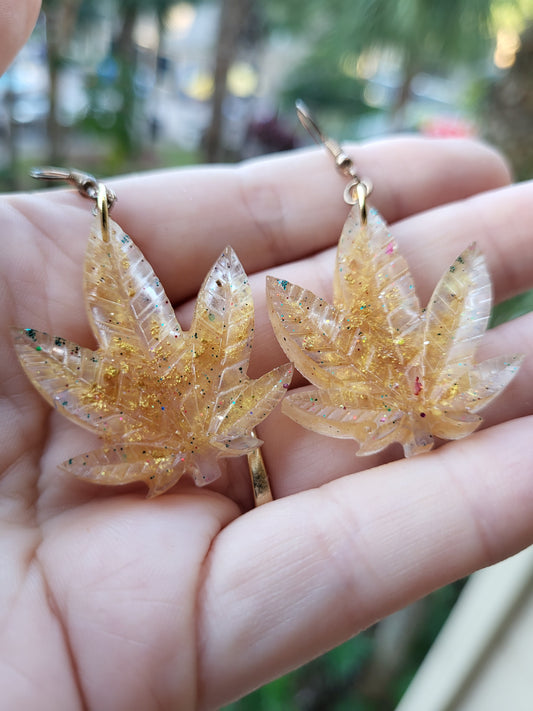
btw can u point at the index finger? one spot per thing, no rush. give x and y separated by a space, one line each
271 210
289 580
286 207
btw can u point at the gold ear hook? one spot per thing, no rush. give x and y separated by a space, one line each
87 186
357 190
85 183
343 162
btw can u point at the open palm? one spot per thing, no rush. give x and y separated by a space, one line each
113 601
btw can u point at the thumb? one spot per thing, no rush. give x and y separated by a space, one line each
17 18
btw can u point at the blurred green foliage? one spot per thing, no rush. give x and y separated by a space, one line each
424 35
512 308
342 46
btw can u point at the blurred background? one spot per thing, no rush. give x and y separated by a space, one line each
112 86
120 85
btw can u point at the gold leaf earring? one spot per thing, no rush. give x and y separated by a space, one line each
384 370
166 402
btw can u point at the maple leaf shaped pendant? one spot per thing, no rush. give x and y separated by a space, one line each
165 401
384 370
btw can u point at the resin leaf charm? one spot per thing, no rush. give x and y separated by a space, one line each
165 401
384 370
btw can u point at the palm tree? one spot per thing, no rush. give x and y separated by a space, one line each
424 35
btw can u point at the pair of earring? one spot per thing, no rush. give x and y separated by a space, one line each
168 402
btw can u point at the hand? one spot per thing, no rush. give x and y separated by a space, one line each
112 601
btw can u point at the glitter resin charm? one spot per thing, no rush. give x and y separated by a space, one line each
383 369
165 401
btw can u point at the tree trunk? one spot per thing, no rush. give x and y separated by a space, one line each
53 128
397 118
508 110
125 39
125 52
60 23
12 142
233 16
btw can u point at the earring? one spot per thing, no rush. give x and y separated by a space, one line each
384 370
165 401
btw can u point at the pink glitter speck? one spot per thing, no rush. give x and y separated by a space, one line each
390 248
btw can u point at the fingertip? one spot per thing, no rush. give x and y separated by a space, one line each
499 170
414 173
17 19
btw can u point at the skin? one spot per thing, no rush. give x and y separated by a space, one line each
17 19
112 601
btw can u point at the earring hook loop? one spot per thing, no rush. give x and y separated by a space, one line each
87 185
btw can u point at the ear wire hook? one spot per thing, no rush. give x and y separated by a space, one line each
357 190
343 162
87 186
